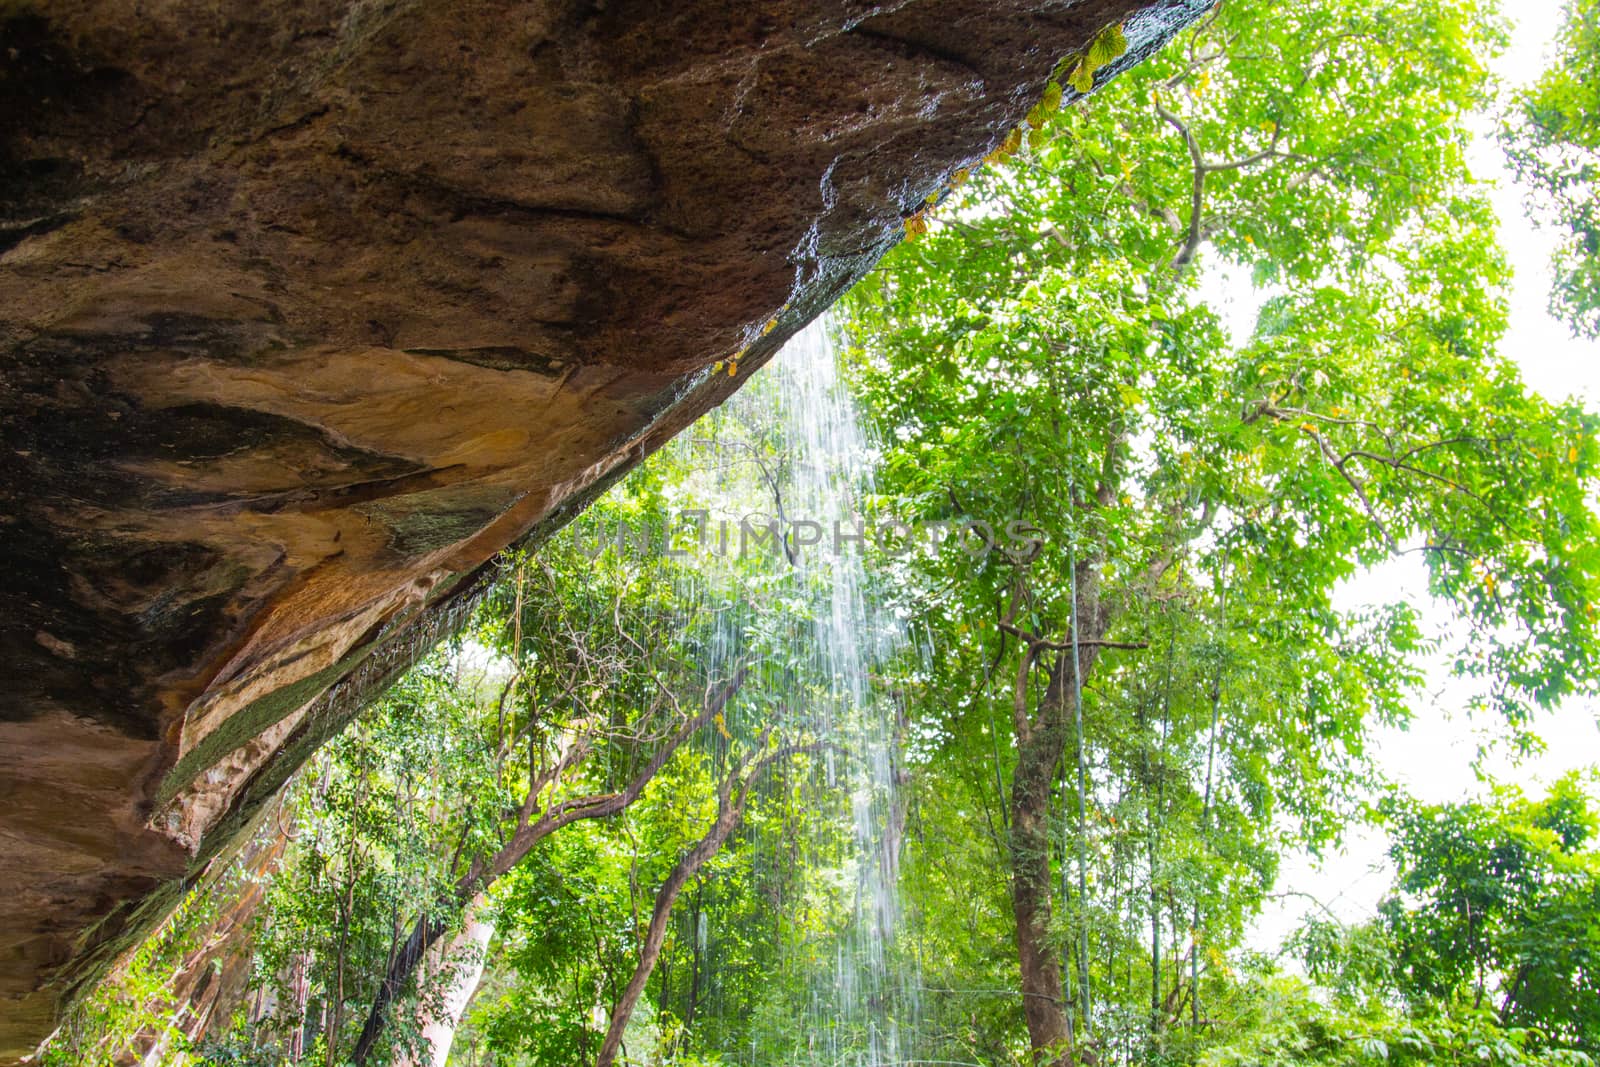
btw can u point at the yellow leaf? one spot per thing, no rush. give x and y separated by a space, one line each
1007 147
1082 76
733 367
1572 454
768 328
722 726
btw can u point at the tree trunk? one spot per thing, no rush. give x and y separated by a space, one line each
694 973
1041 745
300 988
1043 1005
440 1031
655 937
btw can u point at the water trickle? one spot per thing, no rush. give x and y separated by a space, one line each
781 478
856 1010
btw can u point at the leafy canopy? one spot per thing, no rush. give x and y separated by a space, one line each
1553 140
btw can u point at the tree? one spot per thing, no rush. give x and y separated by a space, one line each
1553 140
1498 904
1175 672
1484 950
757 774
369 818
574 687
731 799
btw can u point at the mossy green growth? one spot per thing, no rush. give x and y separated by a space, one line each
415 531
135 1001
249 722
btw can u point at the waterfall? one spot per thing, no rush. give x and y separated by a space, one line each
775 492
830 479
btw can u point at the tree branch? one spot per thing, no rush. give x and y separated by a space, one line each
429 928
730 809
1191 243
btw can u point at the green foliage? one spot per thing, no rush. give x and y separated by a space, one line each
1279 1020
1045 353
568 919
1079 70
766 917
375 816
135 1006
1499 904
1553 140
1485 951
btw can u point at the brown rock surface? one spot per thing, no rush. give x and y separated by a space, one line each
308 309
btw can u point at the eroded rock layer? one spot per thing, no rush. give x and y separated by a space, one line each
308 309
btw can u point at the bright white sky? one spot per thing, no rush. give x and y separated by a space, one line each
1434 758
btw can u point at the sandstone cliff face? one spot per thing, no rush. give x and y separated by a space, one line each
308 309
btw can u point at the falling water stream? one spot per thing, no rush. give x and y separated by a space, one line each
803 460
857 1018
